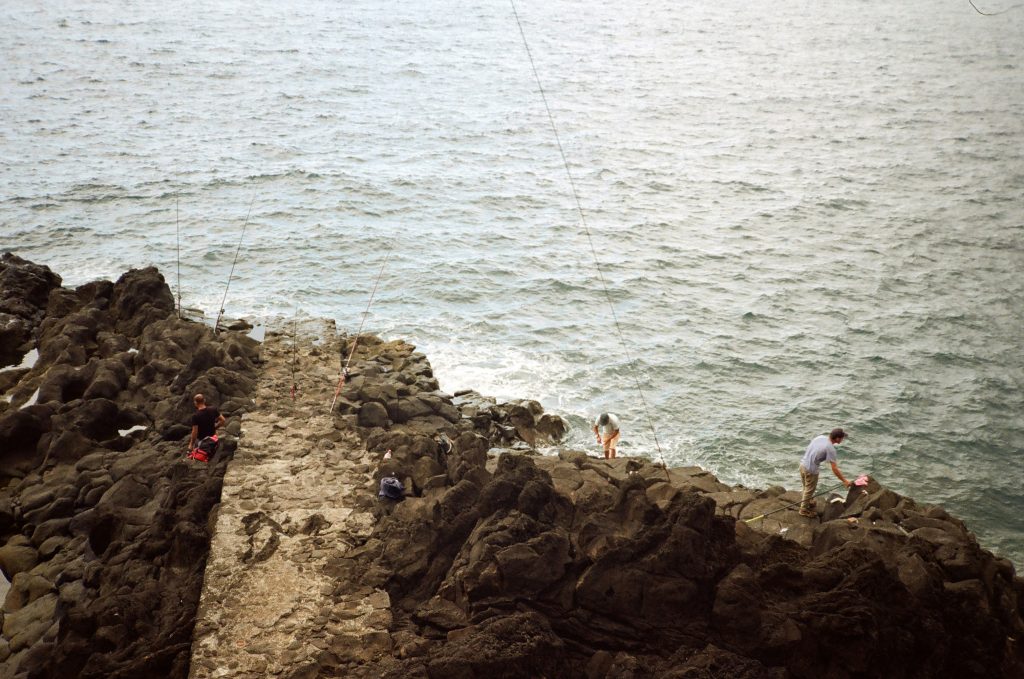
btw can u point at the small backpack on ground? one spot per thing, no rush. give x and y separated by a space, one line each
205 449
391 488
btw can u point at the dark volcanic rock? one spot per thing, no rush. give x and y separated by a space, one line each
140 297
519 565
504 423
589 568
24 290
518 645
108 584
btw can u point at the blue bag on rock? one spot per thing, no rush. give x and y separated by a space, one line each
391 488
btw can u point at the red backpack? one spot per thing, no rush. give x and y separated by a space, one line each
205 449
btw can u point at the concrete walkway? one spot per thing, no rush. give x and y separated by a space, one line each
269 605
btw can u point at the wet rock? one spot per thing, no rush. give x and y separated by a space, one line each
51 546
17 556
20 433
424 469
521 645
611 553
373 414
404 409
26 588
138 298
49 529
27 625
176 432
737 605
128 492
505 422
101 521
513 565
712 661
442 614
24 291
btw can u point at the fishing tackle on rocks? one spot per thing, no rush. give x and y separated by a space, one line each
177 240
861 480
355 340
295 355
220 313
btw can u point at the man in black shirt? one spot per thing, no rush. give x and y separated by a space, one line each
205 421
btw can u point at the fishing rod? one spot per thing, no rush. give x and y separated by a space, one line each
355 340
216 325
993 14
861 481
177 238
583 221
295 341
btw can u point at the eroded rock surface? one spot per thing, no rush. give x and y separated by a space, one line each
24 290
295 497
103 522
499 562
617 569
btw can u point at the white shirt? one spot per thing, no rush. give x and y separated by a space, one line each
820 450
609 427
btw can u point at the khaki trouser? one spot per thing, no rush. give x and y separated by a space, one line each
609 442
810 482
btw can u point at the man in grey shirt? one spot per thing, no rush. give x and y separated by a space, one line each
821 449
606 428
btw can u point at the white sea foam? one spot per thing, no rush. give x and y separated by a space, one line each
27 361
31 399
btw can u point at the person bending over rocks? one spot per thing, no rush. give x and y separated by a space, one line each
822 448
606 428
205 423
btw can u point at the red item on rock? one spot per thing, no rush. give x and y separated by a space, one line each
204 449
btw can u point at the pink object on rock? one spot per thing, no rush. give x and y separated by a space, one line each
862 480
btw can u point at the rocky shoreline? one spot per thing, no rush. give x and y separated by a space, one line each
499 562
103 522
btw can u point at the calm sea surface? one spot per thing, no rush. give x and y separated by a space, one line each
808 214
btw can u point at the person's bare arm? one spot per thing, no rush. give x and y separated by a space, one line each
839 474
193 436
220 421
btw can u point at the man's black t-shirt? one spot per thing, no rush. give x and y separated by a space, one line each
205 419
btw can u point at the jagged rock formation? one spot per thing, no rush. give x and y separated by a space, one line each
103 523
522 565
577 567
300 499
26 288
498 563
294 496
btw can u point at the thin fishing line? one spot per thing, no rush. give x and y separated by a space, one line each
590 240
761 517
355 340
992 14
295 356
177 237
232 272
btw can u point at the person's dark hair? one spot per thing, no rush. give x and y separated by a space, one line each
603 419
837 434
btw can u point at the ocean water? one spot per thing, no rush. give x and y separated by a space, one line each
807 214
